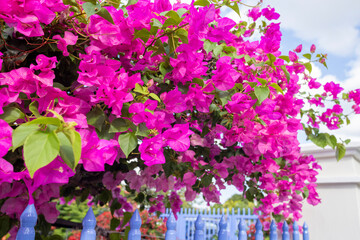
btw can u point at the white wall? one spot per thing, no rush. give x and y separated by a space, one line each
337 217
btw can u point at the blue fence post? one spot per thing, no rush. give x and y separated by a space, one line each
222 229
180 226
199 228
171 228
296 235
273 231
89 223
242 230
305 232
233 225
285 233
135 224
259 233
27 223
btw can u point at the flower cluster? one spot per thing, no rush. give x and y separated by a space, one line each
157 97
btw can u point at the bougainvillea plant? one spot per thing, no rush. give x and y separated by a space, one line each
160 98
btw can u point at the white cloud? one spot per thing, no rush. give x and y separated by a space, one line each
334 27
330 24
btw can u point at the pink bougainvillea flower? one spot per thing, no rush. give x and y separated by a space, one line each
270 14
49 210
68 39
142 111
172 101
254 13
5 137
333 88
293 57
189 178
317 102
312 48
178 137
151 150
96 152
162 5
29 26
298 48
225 75
313 84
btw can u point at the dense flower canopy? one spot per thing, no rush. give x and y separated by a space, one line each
159 98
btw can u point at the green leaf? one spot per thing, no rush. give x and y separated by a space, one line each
331 140
173 42
199 81
132 2
141 89
142 130
119 125
234 6
127 217
277 87
114 223
92 1
307 55
163 69
90 8
57 115
206 180
209 46
46 121
287 74
181 11
217 50
20 134
104 13
170 22
183 35
40 149
319 140
308 66
286 58
143 34
174 15
157 23
128 142
4 225
306 192
11 114
33 107
271 57
262 81
70 148
115 3
159 48
340 151
202 3
155 97
70 2
96 118
261 93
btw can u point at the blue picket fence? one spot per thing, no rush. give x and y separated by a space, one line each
211 217
29 217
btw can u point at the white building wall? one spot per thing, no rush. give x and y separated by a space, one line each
338 215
